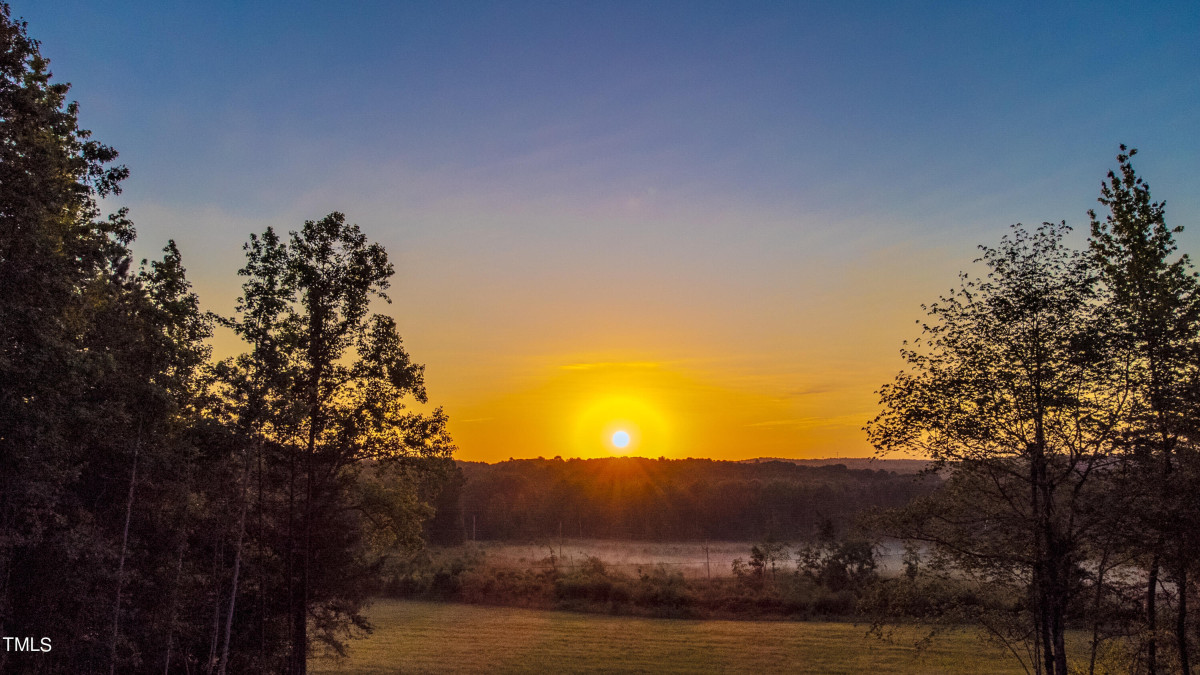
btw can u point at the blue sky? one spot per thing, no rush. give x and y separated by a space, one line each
760 193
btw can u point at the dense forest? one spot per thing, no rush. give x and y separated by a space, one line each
663 500
161 511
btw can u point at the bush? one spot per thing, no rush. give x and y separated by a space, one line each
838 566
508 586
592 583
420 576
831 603
667 593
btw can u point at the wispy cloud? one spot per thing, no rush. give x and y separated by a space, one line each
614 365
851 420
779 423
822 388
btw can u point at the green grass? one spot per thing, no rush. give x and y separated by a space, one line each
424 637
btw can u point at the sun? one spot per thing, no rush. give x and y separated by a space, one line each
621 423
622 435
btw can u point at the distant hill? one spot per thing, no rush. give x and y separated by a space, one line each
901 466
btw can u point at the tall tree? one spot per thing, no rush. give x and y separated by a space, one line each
1155 301
150 504
152 333
100 379
1014 390
331 380
60 265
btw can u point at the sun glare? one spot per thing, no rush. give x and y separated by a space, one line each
621 424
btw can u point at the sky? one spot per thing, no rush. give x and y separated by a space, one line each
708 225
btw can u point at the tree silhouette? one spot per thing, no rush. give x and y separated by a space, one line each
1014 387
325 383
1155 302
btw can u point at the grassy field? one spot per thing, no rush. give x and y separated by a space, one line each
423 637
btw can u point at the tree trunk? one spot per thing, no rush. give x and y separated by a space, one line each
1044 634
237 568
300 618
300 610
260 538
116 630
291 561
174 612
1101 570
219 552
316 357
1058 630
1057 575
1181 637
1041 571
1152 619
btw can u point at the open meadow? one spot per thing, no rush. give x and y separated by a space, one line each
425 637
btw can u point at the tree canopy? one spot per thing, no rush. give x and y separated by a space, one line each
1057 394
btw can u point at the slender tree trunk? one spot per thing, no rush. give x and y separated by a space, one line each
1040 543
237 568
316 356
1152 619
291 561
300 610
1056 578
1101 569
1159 405
302 614
262 581
174 612
1043 612
1181 637
219 552
1058 630
116 629
1035 657
300 618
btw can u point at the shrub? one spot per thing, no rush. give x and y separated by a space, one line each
592 583
830 603
838 566
667 593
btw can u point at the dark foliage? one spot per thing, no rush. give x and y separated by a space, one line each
653 590
1059 393
670 500
150 519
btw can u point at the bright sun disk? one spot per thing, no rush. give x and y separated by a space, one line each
620 439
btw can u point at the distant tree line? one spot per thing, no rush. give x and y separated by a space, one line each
160 512
1061 390
664 499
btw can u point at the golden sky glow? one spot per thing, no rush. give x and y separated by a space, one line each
535 362
667 409
714 235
